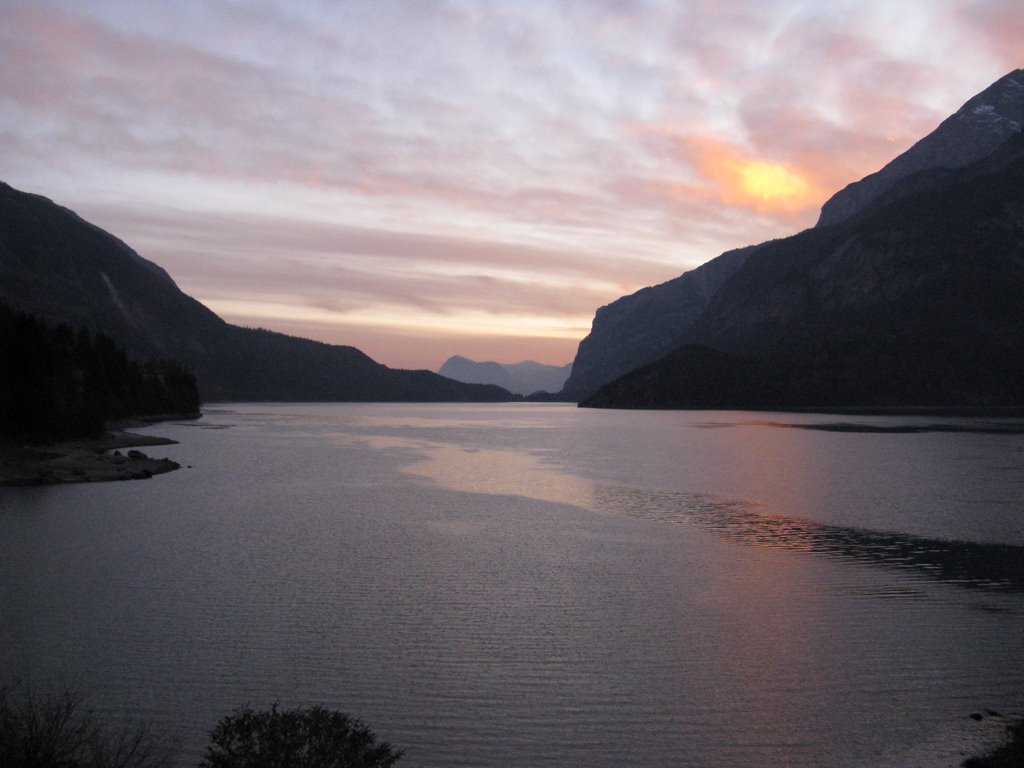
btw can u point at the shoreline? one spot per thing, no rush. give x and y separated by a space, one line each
85 460
1008 754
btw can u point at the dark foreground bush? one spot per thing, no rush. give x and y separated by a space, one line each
56 730
312 737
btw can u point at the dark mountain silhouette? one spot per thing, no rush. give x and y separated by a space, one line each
973 132
640 328
56 265
914 301
693 376
905 293
525 378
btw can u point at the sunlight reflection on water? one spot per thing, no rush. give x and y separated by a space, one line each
502 473
492 472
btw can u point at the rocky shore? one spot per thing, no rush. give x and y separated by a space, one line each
83 461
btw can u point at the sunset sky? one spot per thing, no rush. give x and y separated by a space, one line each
422 179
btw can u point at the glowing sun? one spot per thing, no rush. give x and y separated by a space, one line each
770 181
740 180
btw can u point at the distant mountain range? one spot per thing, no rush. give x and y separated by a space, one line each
525 378
906 293
60 267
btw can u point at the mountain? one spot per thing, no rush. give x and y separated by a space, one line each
903 293
973 132
913 301
58 266
523 378
641 328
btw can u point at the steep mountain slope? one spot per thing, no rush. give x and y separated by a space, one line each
640 328
523 378
971 133
58 266
911 302
693 376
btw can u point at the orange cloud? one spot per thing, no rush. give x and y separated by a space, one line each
762 185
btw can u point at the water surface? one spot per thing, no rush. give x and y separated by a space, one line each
537 585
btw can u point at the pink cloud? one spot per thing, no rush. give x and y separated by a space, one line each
636 138
999 27
339 267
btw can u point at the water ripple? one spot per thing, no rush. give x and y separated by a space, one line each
964 563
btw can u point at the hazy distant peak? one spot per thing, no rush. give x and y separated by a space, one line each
522 378
455 359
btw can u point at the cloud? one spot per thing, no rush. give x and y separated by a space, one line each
344 271
736 179
998 26
504 159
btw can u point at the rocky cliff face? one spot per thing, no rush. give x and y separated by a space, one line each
732 301
973 132
56 265
914 302
640 328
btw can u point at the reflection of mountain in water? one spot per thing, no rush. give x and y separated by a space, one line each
968 564
974 426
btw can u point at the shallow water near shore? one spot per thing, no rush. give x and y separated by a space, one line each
538 585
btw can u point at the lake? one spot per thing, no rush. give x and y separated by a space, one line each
540 585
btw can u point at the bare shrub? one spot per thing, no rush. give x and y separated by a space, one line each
56 730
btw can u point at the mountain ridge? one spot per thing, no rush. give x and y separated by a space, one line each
527 377
641 327
910 303
57 265
969 134
860 262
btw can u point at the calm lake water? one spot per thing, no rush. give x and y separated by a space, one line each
538 585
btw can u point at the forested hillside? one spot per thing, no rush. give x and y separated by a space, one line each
58 382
